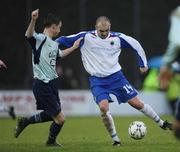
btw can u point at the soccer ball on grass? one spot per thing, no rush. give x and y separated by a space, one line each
137 130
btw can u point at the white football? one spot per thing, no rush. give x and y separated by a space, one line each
137 130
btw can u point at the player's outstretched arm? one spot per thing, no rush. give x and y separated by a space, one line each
129 42
67 51
2 64
31 28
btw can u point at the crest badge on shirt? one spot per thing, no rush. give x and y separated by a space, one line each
112 43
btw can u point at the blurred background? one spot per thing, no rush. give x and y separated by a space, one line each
147 21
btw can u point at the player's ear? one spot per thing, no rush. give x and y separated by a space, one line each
53 26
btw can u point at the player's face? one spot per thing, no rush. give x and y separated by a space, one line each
103 29
56 29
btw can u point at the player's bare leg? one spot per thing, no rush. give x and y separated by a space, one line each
109 122
148 111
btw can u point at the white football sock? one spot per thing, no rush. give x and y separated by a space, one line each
109 124
148 111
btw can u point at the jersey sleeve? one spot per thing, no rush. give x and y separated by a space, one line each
68 41
129 42
36 42
38 37
60 53
35 39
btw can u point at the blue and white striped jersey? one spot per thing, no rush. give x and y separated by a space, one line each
101 56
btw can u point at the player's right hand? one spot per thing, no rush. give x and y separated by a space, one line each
35 14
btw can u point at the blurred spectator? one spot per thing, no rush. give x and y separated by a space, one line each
171 58
68 81
3 107
9 110
171 61
70 78
151 82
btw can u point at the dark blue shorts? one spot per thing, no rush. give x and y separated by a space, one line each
114 84
47 97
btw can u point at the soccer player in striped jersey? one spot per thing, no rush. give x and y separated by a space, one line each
45 52
100 50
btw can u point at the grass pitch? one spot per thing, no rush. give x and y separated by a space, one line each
87 134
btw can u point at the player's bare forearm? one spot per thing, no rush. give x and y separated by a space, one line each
71 49
31 28
67 51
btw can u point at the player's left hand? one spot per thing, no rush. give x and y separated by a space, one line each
77 43
2 64
35 14
143 70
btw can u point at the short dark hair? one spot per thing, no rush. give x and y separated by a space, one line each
51 19
103 18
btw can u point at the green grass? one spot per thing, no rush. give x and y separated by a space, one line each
87 134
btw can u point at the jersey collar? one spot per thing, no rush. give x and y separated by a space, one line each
100 37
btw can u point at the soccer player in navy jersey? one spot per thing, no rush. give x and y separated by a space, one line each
44 55
100 50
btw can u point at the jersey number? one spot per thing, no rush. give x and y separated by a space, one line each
128 88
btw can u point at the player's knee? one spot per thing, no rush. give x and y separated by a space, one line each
103 108
60 119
